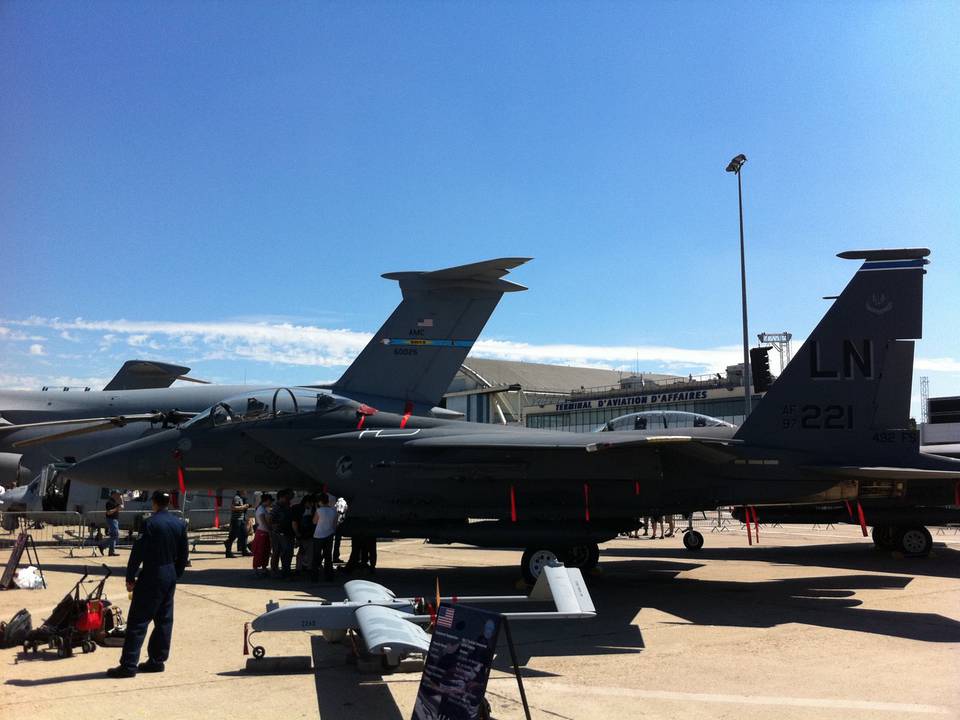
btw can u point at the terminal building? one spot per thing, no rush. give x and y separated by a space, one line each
576 399
940 433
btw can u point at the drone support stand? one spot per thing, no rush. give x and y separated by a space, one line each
516 666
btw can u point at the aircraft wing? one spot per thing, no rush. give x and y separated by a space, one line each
384 628
88 425
948 449
147 375
364 591
889 473
566 441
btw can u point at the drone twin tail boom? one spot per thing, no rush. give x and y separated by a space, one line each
390 626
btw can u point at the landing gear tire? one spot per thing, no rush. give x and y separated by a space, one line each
259 652
87 646
693 540
534 560
884 537
914 541
582 557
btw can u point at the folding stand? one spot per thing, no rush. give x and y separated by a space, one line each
516 666
24 543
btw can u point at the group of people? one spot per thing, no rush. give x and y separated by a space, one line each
160 554
650 524
309 527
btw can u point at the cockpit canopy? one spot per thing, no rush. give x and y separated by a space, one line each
265 404
662 420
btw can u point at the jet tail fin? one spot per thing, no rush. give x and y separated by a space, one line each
415 355
846 393
146 375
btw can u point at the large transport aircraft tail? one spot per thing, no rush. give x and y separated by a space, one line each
147 375
845 396
415 355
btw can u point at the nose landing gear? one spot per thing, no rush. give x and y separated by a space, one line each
692 540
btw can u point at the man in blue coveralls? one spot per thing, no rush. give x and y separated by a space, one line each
162 550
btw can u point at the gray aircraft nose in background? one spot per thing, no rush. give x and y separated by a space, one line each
145 464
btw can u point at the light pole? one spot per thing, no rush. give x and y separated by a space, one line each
735 165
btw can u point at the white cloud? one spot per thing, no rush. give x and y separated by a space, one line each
946 364
12 381
67 336
16 335
291 344
286 343
282 343
706 359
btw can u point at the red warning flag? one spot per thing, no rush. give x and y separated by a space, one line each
863 520
407 412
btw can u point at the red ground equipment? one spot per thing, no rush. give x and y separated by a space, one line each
76 621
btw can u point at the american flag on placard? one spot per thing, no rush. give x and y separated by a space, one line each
445 617
425 322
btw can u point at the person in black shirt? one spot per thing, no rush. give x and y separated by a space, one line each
161 549
303 529
281 523
238 524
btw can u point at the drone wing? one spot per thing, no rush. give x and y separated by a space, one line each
385 629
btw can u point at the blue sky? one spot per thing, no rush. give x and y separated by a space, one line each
221 184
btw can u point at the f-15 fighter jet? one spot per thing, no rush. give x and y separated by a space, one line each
834 426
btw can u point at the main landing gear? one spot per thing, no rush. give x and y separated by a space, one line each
583 557
911 540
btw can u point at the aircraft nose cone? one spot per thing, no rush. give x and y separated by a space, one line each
144 464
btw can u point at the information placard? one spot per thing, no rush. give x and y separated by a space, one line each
458 664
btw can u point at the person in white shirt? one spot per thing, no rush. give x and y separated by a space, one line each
325 518
341 506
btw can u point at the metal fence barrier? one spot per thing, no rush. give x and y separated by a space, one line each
52 528
77 532
203 528
130 523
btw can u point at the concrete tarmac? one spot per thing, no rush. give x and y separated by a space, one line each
807 624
